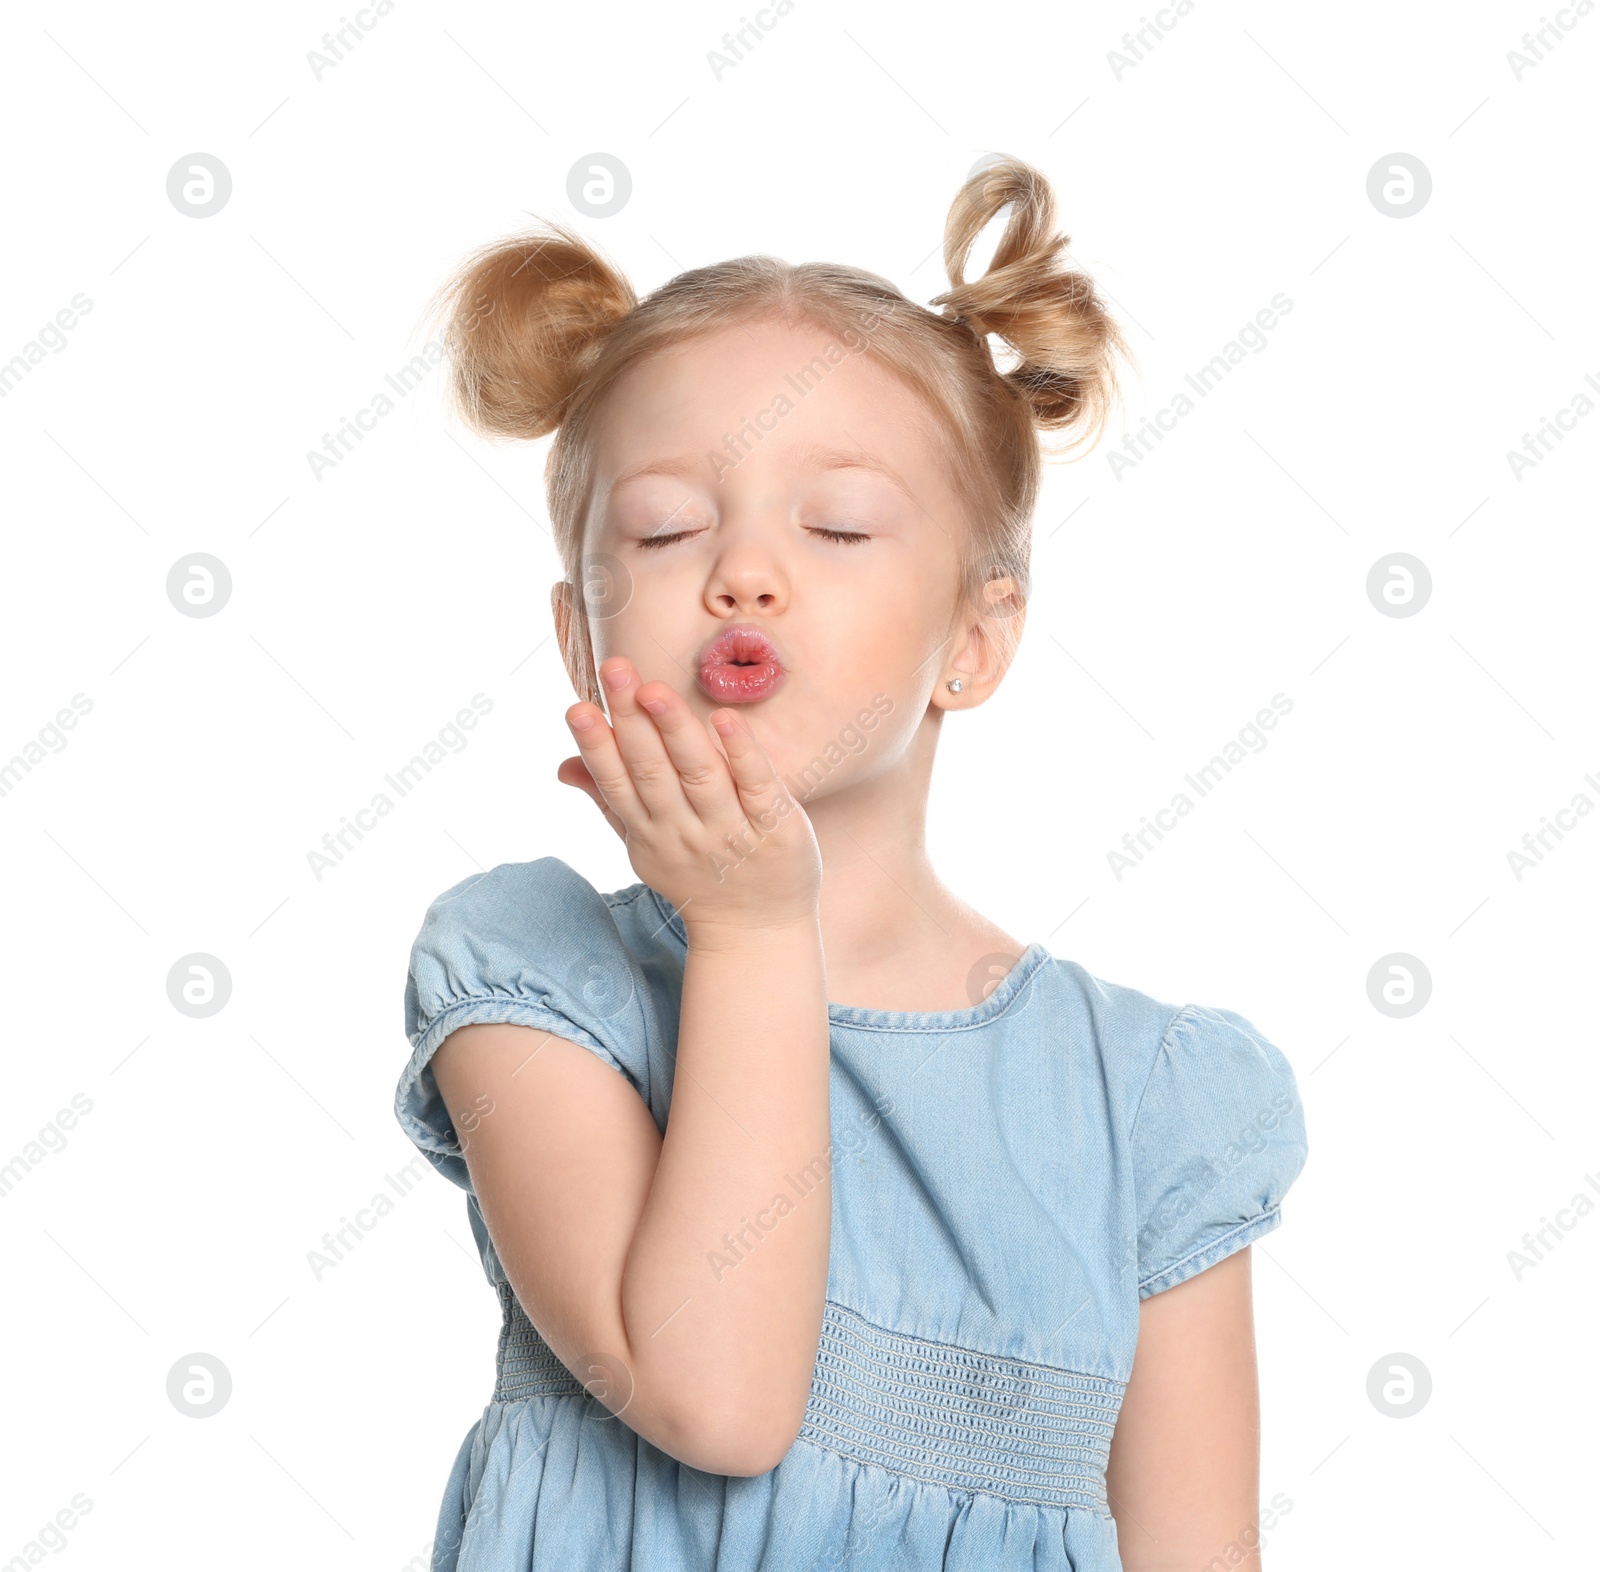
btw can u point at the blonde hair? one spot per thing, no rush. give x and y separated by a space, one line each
539 327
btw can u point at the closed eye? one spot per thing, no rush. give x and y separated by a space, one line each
841 536
650 541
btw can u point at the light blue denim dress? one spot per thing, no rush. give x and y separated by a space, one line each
1009 1181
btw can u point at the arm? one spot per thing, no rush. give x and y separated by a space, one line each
1183 1477
624 1246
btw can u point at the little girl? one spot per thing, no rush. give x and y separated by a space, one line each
825 1216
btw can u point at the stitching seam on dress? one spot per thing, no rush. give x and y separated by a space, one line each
1167 1271
1161 1048
1053 1371
860 1462
430 1037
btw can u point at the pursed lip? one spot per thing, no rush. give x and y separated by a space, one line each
740 665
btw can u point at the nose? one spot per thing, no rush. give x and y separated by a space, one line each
747 575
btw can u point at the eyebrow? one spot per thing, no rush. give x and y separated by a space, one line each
815 458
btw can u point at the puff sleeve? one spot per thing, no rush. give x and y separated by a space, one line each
532 944
1218 1137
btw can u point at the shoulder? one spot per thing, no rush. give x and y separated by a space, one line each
1121 1026
1217 1139
1209 1129
1212 1063
526 897
1145 1044
525 934
540 906
526 944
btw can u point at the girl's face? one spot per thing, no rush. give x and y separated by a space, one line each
767 478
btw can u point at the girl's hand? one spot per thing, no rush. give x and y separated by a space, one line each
720 837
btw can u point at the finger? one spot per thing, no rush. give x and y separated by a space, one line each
655 780
598 749
702 770
574 772
757 783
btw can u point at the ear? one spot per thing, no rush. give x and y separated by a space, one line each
572 633
982 649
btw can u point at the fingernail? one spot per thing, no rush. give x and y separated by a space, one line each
724 724
582 721
617 676
655 706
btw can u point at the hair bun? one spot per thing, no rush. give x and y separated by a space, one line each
525 318
1048 313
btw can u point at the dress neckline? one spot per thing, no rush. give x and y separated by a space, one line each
1000 998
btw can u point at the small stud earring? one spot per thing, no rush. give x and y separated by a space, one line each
954 685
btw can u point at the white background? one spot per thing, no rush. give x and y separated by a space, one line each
368 606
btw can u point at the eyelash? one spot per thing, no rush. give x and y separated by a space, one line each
843 537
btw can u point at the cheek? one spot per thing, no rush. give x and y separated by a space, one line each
661 630
886 613
878 649
639 628
893 646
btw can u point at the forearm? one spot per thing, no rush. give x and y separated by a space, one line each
724 1282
